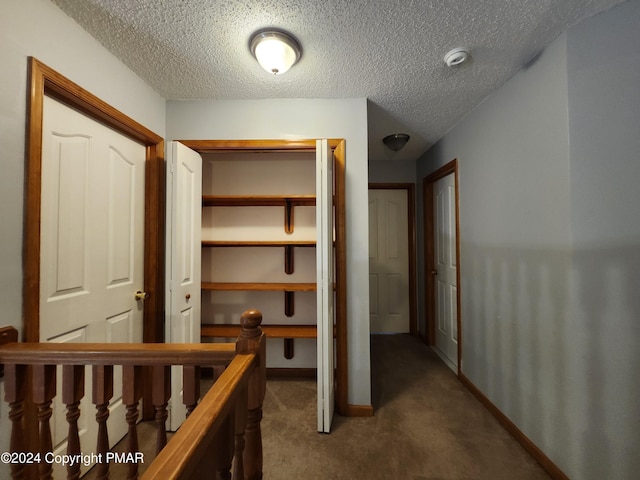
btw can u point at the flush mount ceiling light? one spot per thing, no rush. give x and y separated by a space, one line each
456 57
276 51
396 141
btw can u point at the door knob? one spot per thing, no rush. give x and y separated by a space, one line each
140 295
187 297
434 272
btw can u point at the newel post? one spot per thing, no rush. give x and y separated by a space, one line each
252 340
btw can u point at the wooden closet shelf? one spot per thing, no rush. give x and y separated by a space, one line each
273 287
258 200
273 331
258 243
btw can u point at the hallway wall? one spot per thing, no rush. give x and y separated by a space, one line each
550 246
604 131
38 28
392 171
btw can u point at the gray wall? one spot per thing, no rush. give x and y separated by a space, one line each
391 171
550 242
604 121
38 28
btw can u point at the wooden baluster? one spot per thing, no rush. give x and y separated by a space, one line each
160 394
217 371
224 447
190 387
15 386
240 426
251 340
206 467
72 393
253 445
131 395
102 393
44 390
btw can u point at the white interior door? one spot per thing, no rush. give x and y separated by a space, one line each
325 282
388 261
183 319
446 265
92 245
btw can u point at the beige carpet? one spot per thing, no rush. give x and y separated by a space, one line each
426 426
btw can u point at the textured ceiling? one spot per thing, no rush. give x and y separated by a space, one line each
389 51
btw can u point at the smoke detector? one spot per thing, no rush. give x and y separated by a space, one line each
456 57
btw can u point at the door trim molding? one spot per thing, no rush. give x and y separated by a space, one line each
411 212
43 80
429 254
338 146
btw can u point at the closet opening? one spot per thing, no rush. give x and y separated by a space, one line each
259 248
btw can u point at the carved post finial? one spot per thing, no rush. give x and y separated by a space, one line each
251 321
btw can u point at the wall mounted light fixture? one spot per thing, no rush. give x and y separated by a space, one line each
396 141
276 50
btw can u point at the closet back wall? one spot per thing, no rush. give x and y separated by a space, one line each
252 174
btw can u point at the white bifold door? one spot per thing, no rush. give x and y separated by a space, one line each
184 220
325 282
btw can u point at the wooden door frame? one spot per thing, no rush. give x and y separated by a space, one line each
429 253
338 146
411 212
43 80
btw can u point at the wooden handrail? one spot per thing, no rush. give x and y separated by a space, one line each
226 422
140 354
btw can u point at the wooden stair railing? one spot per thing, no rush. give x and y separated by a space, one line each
223 426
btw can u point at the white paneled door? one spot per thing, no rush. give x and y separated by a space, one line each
388 261
184 269
325 281
446 295
92 245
